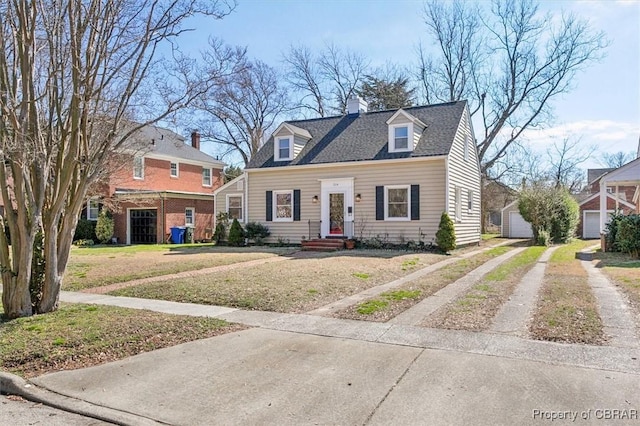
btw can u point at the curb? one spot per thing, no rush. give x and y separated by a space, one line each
11 384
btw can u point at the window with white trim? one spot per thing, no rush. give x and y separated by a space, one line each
469 200
93 209
138 167
284 148
234 206
397 202
206 176
458 203
173 169
189 216
282 206
401 138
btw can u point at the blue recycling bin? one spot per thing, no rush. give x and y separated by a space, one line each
177 234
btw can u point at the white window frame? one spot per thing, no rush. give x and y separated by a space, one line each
276 148
458 204
97 207
275 206
171 163
392 137
241 196
193 216
137 159
210 176
386 203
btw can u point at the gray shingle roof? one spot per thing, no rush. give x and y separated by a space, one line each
171 144
593 174
364 137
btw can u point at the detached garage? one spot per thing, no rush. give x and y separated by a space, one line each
589 226
513 225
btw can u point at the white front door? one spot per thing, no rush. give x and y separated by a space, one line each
336 208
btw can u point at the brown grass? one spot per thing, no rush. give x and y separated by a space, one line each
567 310
301 284
475 310
426 285
624 271
79 336
90 268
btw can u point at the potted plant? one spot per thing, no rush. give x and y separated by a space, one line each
349 243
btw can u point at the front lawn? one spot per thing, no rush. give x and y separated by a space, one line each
78 336
476 309
567 310
91 267
624 271
304 283
389 305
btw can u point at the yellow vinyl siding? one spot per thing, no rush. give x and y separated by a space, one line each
464 174
235 188
429 174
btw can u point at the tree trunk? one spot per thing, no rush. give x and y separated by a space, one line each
15 296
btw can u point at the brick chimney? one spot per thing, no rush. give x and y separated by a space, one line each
195 140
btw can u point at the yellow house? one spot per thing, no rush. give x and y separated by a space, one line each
384 174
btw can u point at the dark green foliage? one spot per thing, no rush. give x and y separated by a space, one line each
85 230
104 227
231 172
552 212
383 93
623 234
257 232
446 235
222 221
236 234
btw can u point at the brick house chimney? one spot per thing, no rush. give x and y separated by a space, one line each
195 140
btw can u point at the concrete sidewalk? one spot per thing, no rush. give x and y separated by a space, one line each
261 376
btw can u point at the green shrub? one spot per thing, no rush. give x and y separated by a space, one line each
446 235
84 243
104 227
628 235
551 212
236 234
85 230
220 232
257 232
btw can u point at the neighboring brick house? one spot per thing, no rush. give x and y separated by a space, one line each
163 183
620 197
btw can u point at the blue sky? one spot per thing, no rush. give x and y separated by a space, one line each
603 109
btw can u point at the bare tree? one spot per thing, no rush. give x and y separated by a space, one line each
326 81
73 74
564 160
616 159
510 64
236 113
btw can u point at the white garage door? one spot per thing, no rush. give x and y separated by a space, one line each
518 227
591 224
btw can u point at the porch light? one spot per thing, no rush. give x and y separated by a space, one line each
358 198
314 199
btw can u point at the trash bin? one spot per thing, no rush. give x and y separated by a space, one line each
177 234
188 236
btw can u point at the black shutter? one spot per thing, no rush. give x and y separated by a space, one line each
415 202
269 212
379 202
296 204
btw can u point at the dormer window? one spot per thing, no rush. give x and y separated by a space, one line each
284 148
401 138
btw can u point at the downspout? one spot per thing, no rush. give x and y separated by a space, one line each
164 224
